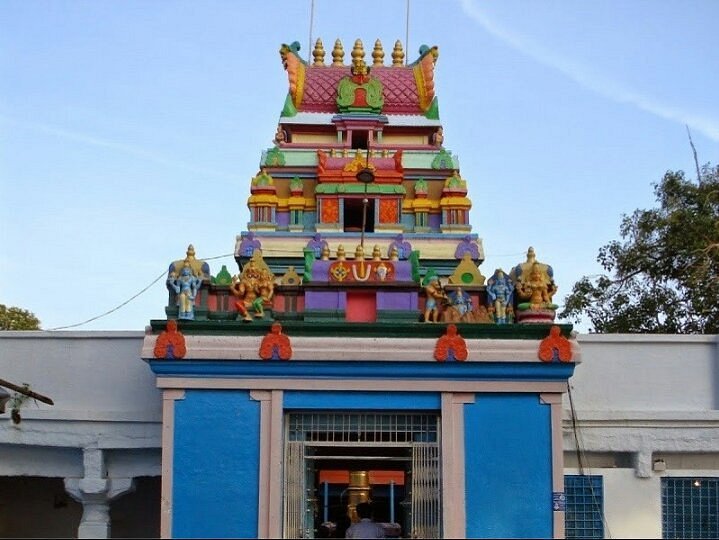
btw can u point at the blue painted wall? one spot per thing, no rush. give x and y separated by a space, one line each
332 400
508 467
215 478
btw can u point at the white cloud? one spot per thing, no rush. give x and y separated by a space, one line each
117 146
589 79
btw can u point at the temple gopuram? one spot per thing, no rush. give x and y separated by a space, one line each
357 354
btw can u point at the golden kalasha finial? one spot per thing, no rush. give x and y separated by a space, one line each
397 54
338 54
359 253
319 53
341 256
376 253
358 64
378 54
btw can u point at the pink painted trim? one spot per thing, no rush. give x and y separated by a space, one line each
269 515
276 465
263 517
363 385
454 518
169 396
555 402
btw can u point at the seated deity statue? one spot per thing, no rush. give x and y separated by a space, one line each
537 290
460 300
254 288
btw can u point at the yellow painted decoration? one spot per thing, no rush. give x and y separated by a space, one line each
189 260
378 54
319 53
421 204
424 78
455 202
358 163
262 198
295 74
466 273
338 54
262 179
358 64
297 203
291 277
397 54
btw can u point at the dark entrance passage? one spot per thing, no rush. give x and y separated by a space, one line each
353 215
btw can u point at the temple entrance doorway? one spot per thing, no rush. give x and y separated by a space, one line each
334 461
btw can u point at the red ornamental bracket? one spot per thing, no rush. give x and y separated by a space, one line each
555 341
170 344
275 345
450 346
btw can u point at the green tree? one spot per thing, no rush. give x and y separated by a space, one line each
14 318
664 273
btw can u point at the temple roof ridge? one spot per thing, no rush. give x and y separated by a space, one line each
405 89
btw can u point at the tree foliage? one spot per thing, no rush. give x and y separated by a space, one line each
664 273
14 318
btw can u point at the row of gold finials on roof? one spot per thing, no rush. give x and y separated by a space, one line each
338 53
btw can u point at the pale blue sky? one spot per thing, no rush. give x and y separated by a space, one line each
129 129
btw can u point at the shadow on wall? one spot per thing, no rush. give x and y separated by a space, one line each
137 514
35 507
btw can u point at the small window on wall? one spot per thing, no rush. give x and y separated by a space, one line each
421 219
296 217
360 140
584 513
263 214
690 507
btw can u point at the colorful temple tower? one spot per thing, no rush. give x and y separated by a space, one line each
359 354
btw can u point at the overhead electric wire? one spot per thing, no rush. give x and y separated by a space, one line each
581 454
160 276
123 304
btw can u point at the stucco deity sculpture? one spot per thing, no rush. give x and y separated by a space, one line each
186 286
467 245
435 297
254 288
537 289
317 245
403 247
460 300
280 135
500 292
249 244
438 137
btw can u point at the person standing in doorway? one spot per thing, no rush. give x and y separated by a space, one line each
365 527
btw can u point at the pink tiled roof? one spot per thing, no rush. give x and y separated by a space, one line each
399 89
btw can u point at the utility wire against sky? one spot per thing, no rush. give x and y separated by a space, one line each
162 274
123 304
